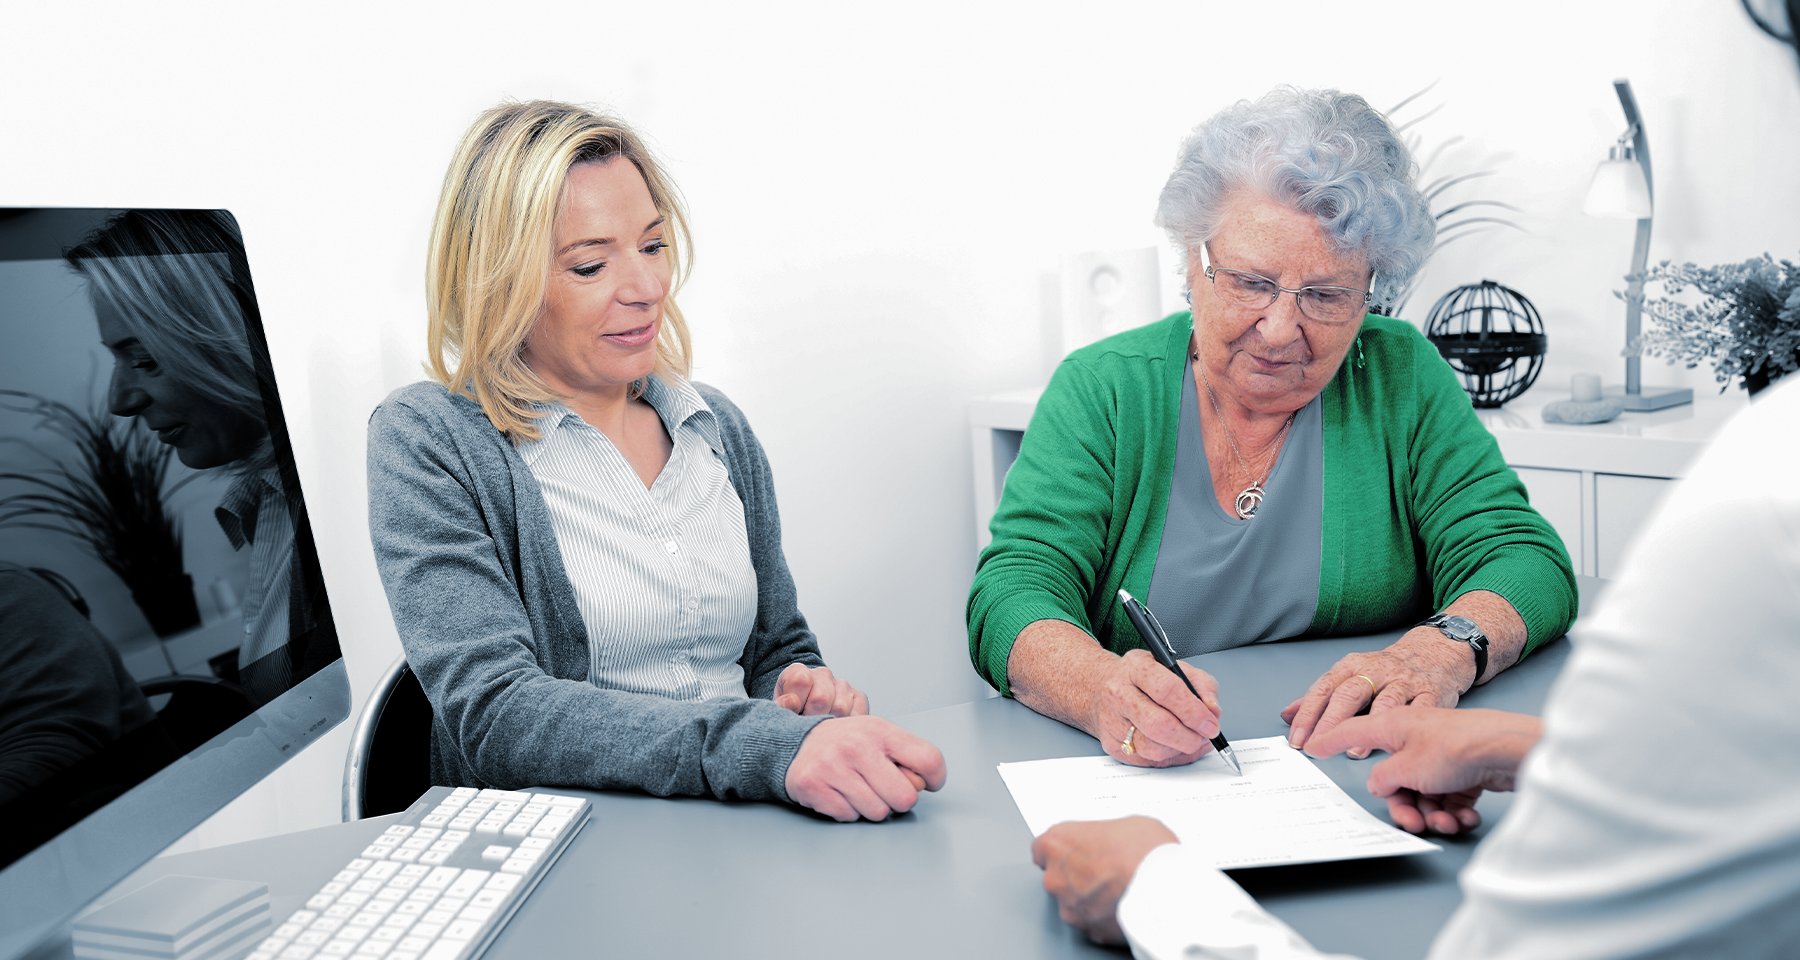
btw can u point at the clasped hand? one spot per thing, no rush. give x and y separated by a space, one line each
862 767
816 691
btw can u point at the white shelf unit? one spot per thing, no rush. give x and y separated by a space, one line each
1595 483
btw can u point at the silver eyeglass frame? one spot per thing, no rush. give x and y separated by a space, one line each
1368 296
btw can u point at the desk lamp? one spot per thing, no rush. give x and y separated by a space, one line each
1622 188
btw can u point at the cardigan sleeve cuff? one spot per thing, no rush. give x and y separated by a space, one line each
1544 599
766 755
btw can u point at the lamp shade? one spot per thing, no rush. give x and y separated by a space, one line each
1618 190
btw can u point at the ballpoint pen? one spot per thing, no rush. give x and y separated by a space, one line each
1164 652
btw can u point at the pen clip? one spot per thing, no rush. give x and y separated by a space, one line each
1158 634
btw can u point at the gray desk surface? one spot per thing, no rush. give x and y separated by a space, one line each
699 878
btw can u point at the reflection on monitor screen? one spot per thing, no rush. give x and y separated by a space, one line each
165 640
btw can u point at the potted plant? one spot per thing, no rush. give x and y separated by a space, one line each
112 498
1744 318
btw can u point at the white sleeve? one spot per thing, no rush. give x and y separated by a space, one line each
1660 815
1180 907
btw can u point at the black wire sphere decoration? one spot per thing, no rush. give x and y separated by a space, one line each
1492 336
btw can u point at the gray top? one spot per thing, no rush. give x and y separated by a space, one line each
490 624
1221 582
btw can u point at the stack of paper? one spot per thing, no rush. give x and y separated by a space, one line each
1282 810
176 918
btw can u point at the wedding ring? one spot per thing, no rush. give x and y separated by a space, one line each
1373 689
1125 746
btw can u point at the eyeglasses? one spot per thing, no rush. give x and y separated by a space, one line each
1320 303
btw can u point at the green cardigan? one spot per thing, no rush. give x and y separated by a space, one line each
1419 506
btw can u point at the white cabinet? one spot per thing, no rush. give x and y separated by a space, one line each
1621 506
1596 484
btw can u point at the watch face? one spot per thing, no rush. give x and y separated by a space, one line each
1460 628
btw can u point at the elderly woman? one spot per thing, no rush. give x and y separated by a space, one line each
1279 463
580 546
172 297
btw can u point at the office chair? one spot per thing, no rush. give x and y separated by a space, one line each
390 751
197 709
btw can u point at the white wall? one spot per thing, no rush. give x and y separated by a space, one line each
880 203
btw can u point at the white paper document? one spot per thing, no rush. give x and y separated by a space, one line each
1282 810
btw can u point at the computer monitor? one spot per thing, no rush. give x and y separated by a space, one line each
165 640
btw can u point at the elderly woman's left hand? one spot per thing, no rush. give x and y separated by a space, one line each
816 691
1419 668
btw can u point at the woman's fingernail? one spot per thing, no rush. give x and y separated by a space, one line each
1358 754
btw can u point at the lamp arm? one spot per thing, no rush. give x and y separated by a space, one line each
1640 249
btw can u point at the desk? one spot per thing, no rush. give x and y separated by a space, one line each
698 878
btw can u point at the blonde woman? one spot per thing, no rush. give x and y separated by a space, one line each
581 547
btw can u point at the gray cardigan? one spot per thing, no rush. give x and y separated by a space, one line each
489 622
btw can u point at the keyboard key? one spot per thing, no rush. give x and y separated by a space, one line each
446 950
468 883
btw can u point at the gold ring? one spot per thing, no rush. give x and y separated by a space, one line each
1125 746
1373 689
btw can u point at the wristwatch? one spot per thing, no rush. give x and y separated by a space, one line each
1462 630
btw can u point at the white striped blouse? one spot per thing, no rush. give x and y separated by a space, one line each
662 575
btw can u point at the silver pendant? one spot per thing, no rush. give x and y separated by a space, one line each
1249 500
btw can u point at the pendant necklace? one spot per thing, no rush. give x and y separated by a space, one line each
1251 497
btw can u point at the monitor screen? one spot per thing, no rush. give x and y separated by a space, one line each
165 640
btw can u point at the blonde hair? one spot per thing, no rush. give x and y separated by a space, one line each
491 250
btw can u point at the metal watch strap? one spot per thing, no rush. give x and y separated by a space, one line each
1476 640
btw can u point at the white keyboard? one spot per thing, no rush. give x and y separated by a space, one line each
437 885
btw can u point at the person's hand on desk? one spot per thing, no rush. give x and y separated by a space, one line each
816 691
1419 669
1426 667
1088 864
862 767
1439 761
1144 705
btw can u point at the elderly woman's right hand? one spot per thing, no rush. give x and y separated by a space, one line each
862 767
1145 715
